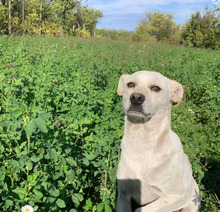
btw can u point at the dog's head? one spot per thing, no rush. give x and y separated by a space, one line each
146 93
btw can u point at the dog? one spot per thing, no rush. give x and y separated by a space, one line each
153 170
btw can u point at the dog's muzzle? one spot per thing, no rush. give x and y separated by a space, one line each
136 112
137 99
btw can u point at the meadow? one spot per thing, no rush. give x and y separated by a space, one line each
61 120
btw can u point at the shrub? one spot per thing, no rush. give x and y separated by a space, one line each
203 30
82 33
157 25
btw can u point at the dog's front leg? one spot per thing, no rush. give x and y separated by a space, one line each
123 202
163 204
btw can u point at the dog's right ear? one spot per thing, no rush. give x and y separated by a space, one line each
122 80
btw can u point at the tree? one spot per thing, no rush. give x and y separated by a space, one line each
49 17
203 30
63 7
22 11
142 32
41 18
3 17
9 17
88 17
157 25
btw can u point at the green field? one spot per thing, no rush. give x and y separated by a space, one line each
61 120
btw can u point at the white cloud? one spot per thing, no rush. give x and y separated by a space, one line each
120 10
121 4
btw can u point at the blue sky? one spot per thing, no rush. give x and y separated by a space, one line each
125 14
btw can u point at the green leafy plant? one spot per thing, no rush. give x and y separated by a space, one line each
61 120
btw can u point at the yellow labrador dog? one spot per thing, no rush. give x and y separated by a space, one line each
153 170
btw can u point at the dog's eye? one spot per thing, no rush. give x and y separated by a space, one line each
131 85
155 88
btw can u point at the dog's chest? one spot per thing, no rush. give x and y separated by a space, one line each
138 146
136 157
141 154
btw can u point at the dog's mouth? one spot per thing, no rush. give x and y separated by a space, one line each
137 112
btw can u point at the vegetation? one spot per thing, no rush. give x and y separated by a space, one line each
203 31
156 25
37 17
61 119
69 17
119 35
199 31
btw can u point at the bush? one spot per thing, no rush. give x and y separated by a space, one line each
82 33
203 31
119 35
157 25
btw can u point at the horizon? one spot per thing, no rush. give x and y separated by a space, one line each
126 14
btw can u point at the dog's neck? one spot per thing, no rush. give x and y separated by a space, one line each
150 131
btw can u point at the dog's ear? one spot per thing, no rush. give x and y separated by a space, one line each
121 84
176 93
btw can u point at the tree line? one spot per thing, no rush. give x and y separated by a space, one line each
201 30
47 17
70 17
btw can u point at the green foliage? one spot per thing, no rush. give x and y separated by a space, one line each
3 19
142 33
82 33
58 17
61 120
87 18
119 35
157 25
203 30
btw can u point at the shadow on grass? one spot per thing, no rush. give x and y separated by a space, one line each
211 180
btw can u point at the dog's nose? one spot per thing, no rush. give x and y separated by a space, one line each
137 98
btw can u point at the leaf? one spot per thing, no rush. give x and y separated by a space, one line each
100 207
8 203
71 161
35 159
38 194
20 192
53 154
32 179
89 156
29 165
45 116
2 176
85 162
51 199
41 124
107 208
79 196
75 200
14 163
30 128
70 175
60 203
54 192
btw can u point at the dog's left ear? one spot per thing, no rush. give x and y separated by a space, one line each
121 84
176 90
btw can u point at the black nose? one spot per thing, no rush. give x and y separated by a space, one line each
137 98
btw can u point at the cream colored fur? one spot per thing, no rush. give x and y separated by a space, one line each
153 169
